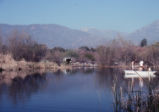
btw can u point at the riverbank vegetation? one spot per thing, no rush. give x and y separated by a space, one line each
20 49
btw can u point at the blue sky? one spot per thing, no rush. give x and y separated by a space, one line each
121 15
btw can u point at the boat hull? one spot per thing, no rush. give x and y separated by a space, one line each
138 74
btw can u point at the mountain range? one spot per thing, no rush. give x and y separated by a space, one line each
56 35
150 32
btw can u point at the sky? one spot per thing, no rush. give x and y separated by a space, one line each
120 15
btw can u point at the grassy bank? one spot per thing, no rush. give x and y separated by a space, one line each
7 63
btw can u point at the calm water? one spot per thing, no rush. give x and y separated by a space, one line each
84 90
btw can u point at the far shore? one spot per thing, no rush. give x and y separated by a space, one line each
8 64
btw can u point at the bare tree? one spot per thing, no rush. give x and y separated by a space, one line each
22 46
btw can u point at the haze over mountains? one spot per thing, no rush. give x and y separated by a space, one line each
150 32
57 35
54 35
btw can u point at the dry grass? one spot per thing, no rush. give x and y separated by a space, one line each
7 63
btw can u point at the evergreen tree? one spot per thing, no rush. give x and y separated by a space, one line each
143 42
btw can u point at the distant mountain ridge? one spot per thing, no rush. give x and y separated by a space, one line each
150 32
56 35
105 34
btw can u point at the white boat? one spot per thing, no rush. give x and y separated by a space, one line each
137 74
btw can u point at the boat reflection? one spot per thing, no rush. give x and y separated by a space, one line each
59 86
140 96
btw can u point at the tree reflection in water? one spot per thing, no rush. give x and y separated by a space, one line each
105 77
23 86
129 94
21 89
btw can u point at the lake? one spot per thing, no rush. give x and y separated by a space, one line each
79 90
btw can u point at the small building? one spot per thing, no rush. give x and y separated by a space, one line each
67 60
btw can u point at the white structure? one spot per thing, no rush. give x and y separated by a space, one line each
139 74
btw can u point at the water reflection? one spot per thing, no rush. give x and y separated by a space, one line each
141 95
105 77
76 86
21 89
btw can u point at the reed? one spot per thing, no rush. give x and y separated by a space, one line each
135 100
